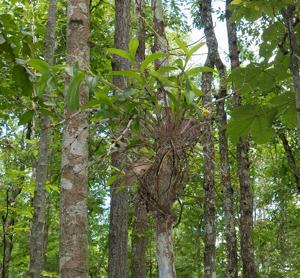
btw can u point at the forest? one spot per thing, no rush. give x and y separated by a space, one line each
150 138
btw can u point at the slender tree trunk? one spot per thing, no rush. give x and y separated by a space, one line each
74 176
139 239
209 183
291 159
209 151
289 19
228 203
7 230
243 164
118 227
37 242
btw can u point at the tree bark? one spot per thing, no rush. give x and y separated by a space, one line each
37 242
291 159
139 238
7 229
243 164
209 183
208 150
74 176
288 17
118 227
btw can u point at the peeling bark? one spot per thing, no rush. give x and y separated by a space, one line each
74 176
118 229
243 164
164 247
37 242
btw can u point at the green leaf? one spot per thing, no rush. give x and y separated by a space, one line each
128 73
151 58
39 65
112 179
122 53
165 81
197 70
91 82
26 117
193 49
165 69
22 80
252 120
182 45
236 2
133 46
73 92
188 92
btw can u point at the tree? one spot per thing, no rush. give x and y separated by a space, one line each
243 164
38 229
74 175
118 229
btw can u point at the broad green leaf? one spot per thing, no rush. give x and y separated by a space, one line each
73 92
122 53
26 117
22 80
133 46
39 65
252 120
151 58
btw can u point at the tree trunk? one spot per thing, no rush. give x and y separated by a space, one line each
208 150
37 246
74 176
139 238
118 227
289 18
290 158
209 184
243 163
164 247
7 229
